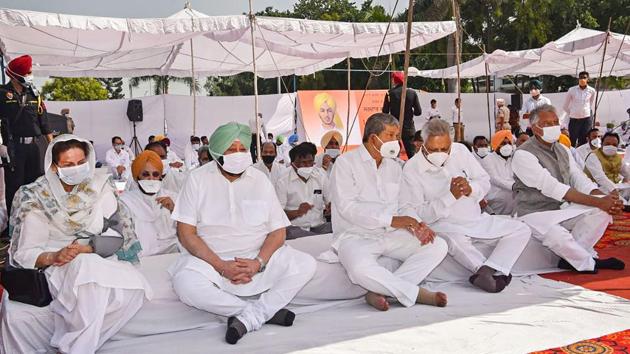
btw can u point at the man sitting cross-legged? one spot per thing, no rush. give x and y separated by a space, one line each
366 223
443 186
546 177
232 228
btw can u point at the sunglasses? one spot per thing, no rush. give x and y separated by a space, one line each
155 174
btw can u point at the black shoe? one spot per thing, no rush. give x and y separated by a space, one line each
610 263
562 264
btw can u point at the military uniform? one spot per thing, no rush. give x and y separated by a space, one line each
23 120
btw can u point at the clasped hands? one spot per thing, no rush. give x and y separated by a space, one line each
419 229
240 270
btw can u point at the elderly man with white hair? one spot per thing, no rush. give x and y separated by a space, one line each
565 210
232 228
367 225
443 186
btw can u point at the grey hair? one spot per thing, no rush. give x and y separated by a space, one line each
376 124
535 114
435 127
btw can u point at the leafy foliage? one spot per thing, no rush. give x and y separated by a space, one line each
74 89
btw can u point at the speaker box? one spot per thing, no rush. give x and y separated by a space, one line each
517 101
134 110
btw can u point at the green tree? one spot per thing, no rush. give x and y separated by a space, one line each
161 84
74 89
114 87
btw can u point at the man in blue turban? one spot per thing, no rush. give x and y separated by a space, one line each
233 227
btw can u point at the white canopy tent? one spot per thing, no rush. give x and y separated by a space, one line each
579 50
75 46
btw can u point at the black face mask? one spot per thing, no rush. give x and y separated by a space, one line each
268 159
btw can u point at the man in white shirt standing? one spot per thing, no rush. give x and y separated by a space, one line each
499 167
579 105
434 112
367 225
443 186
303 194
594 143
118 159
232 228
545 178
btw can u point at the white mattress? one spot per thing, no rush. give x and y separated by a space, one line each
332 326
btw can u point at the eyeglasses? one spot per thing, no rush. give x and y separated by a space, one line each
155 174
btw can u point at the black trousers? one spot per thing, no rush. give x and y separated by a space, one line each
578 128
25 168
253 148
407 139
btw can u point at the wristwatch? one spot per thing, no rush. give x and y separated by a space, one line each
263 265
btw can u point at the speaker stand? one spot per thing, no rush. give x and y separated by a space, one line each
135 144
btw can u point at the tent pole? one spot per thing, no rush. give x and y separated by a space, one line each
193 88
258 122
601 69
348 115
4 78
457 61
488 100
403 95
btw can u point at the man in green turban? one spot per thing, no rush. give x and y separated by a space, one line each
231 223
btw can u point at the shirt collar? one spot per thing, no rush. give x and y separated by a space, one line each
364 153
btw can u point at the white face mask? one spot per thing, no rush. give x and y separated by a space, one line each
196 147
483 151
551 134
609 150
74 175
437 159
119 147
534 92
166 168
596 143
390 149
150 186
28 79
506 150
236 163
332 152
305 172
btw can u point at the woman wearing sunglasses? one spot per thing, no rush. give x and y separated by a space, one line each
151 206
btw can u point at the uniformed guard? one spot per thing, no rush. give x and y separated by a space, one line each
22 121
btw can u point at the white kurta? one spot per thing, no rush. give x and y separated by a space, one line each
425 194
292 192
500 196
532 104
153 224
174 180
191 157
277 171
580 154
364 202
571 231
234 220
115 159
93 297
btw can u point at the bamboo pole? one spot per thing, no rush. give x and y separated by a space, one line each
403 94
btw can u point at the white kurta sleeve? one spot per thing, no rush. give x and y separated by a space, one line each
325 186
478 178
282 187
594 166
579 180
527 168
345 196
277 217
186 206
413 203
33 239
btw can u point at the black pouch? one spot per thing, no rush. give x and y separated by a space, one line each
28 286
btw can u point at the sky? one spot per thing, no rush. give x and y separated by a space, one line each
153 8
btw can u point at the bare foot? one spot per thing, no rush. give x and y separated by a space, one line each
377 301
427 297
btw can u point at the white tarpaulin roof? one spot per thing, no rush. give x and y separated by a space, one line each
74 46
578 50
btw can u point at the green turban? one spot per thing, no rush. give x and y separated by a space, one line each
535 84
225 135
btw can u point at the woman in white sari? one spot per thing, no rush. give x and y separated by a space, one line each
151 206
93 296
